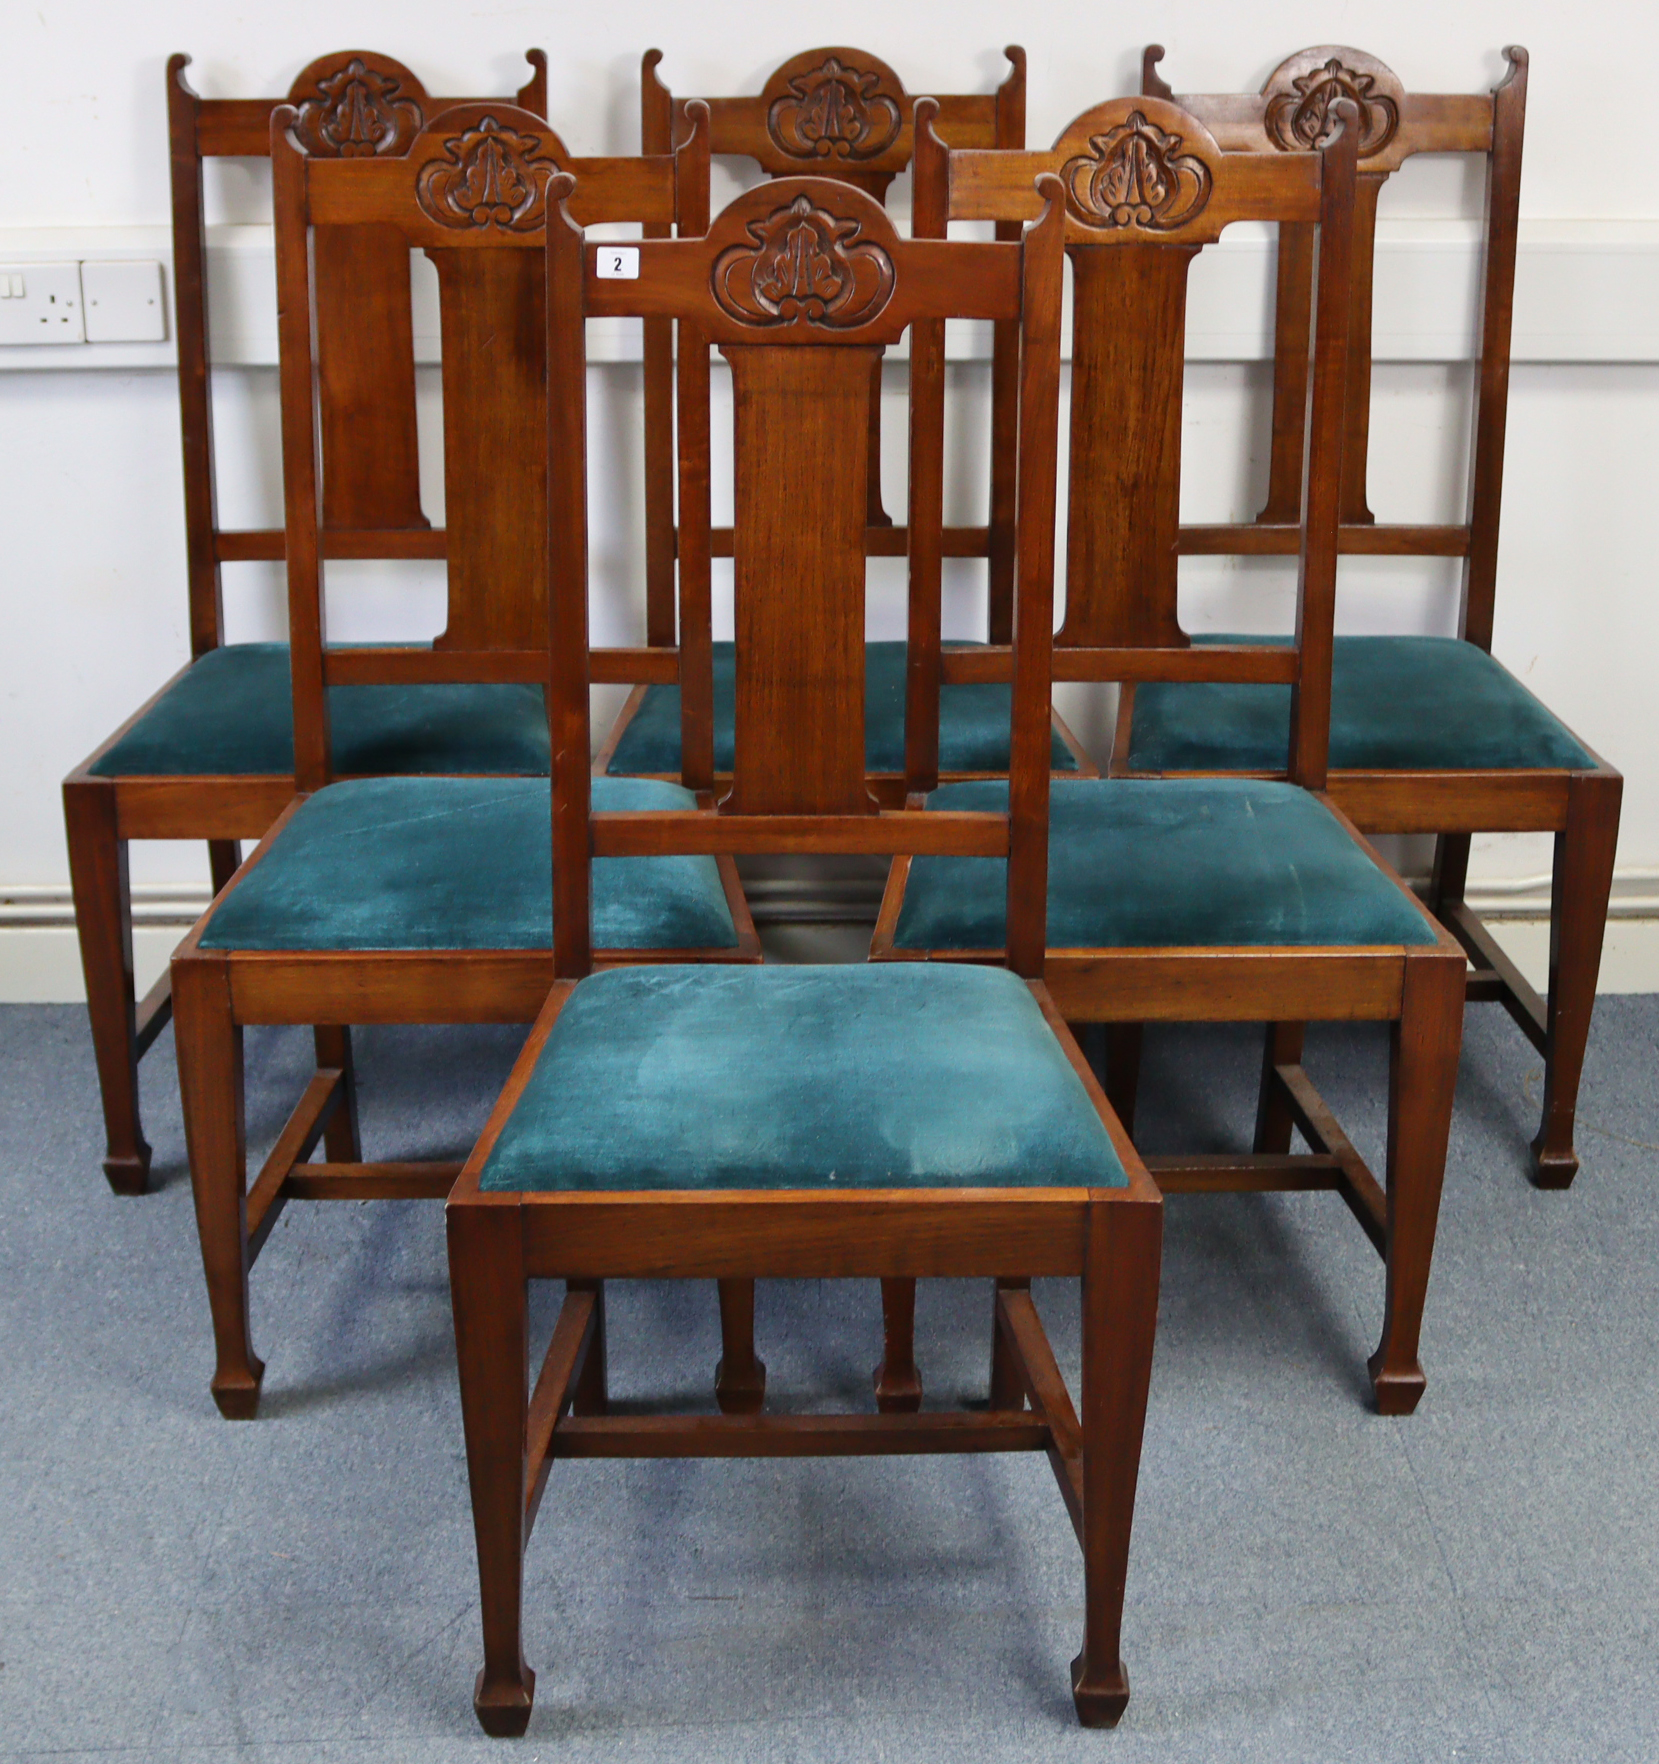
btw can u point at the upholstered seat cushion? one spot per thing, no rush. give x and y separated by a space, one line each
974 722
853 1076
459 863
1397 704
1169 863
231 713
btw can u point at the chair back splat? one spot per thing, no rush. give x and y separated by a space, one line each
350 105
844 114
800 284
472 191
1291 114
1146 186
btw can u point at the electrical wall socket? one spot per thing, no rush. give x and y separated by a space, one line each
41 303
123 302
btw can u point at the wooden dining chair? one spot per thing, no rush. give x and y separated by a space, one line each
1197 900
417 899
211 754
839 113
1428 734
832 1122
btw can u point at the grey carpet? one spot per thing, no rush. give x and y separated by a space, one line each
1309 1582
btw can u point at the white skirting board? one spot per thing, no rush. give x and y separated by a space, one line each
40 963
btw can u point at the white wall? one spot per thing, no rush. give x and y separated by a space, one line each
91 589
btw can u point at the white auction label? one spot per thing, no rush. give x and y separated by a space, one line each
618 263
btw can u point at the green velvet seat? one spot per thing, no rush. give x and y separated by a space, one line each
460 863
974 722
852 1076
231 714
1168 863
1397 704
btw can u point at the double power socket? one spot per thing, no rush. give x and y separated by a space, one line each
119 302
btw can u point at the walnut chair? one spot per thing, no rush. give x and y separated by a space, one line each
211 755
1428 734
838 113
833 1122
416 899
1198 899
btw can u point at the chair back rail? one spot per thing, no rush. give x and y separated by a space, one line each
799 283
1146 187
470 189
1290 113
352 103
845 114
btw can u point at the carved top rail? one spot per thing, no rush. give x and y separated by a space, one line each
841 111
1293 111
1136 170
481 173
354 103
808 260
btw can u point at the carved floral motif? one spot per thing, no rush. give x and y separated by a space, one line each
834 111
1136 176
1301 119
356 114
804 265
492 178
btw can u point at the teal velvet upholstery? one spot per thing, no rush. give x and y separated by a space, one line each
900 1075
460 863
1168 863
1397 704
232 713
973 722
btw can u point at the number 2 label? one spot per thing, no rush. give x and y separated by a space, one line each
618 263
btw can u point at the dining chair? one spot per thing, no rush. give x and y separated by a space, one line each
847 1121
417 899
210 754
841 113
1195 899
1429 734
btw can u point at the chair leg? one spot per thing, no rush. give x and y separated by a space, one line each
1450 875
1422 1079
487 1293
1123 1070
1120 1319
340 1137
897 1381
1007 1392
103 924
1273 1118
1578 923
209 1043
740 1378
592 1393
224 859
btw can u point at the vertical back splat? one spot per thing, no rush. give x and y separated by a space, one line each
801 420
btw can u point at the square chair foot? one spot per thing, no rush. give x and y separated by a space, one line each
1102 1699
131 1175
898 1392
238 1399
1550 1169
740 1392
1398 1393
504 1710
